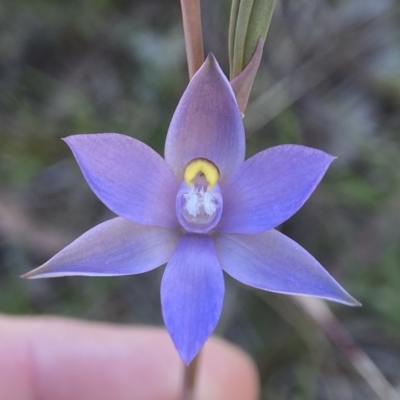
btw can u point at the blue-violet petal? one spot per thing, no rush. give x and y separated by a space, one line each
271 261
270 187
115 247
129 177
192 292
206 124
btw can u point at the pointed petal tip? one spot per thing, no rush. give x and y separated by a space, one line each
34 274
187 358
346 299
210 57
26 276
343 298
66 139
72 138
211 62
352 302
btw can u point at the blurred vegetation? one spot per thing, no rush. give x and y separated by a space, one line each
330 78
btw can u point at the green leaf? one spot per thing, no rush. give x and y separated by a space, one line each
250 20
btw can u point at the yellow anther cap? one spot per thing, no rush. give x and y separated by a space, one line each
201 166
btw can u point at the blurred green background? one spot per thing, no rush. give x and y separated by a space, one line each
330 78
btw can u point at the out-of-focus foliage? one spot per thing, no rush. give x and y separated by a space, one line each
330 78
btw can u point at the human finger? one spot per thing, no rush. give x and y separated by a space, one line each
59 359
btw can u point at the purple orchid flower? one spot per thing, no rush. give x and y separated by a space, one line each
202 210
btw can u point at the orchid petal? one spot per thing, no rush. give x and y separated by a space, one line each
115 247
192 292
270 187
271 261
129 177
206 124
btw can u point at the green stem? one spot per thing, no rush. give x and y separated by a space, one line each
189 379
191 15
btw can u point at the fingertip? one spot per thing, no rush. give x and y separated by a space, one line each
226 373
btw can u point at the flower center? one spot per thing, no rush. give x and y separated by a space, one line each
199 199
